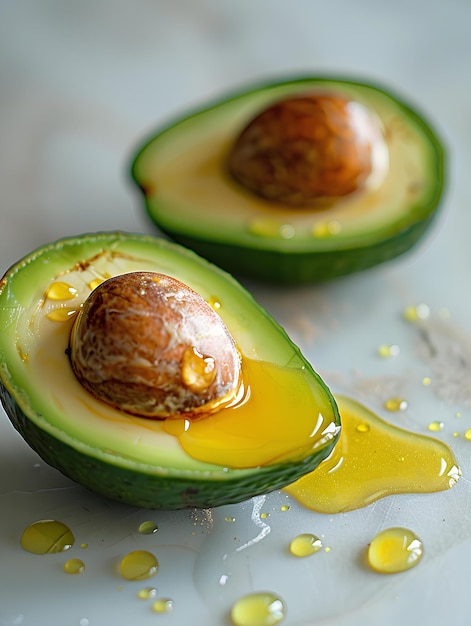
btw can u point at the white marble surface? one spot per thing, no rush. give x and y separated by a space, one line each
80 85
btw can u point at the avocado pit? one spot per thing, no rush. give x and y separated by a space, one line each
148 344
308 150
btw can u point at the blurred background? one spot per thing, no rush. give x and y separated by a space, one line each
82 83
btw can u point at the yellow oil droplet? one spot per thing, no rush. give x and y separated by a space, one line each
436 426
305 545
148 528
415 313
467 434
457 414
285 507
214 303
264 515
396 404
84 545
138 565
61 291
326 229
62 314
383 461
426 381
229 519
147 593
96 282
271 229
362 428
388 350
162 605
328 549
456 434
47 537
198 371
74 566
258 609
394 550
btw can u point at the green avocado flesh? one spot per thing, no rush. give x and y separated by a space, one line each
189 194
132 459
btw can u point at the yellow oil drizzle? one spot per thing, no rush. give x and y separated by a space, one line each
264 427
374 459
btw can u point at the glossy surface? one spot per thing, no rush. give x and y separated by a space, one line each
81 85
372 460
395 550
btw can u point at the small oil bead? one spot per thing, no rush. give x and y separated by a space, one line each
271 229
388 350
148 528
162 605
396 404
96 282
147 593
47 537
426 381
362 428
416 313
214 303
467 434
323 230
436 426
139 565
63 314
61 291
394 550
258 609
285 507
305 545
74 566
198 371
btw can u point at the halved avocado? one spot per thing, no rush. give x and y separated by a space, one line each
282 425
184 173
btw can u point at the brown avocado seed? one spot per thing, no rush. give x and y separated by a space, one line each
149 345
306 150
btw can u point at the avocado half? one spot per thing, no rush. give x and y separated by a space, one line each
127 458
191 196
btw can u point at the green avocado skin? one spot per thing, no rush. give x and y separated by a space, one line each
297 268
288 266
159 490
